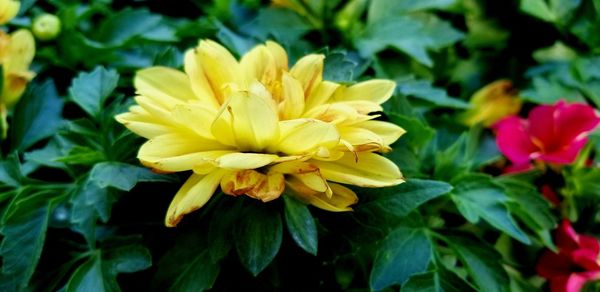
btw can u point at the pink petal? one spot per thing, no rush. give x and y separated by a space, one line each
516 168
586 259
542 125
513 140
566 237
550 195
551 265
571 283
575 119
565 155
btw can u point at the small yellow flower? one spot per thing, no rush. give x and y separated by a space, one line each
16 53
492 103
8 10
256 128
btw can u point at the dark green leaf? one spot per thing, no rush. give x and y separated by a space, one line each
10 171
403 253
529 204
423 89
24 229
476 196
301 225
482 262
339 68
258 238
125 25
37 115
123 176
89 202
417 132
88 276
90 90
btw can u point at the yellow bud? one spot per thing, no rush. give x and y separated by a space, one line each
492 103
8 10
46 26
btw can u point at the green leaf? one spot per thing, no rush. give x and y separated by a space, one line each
403 253
538 8
10 171
90 89
187 266
529 205
339 68
400 200
89 202
125 25
37 115
423 89
123 176
418 134
99 272
476 196
411 34
301 225
223 220
23 227
283 24
426 282
381 9
258 238
584 181
482 262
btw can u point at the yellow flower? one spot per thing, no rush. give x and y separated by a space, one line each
256 128
8 10
492 103
16 53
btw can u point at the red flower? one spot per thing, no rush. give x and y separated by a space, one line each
575 263
551 133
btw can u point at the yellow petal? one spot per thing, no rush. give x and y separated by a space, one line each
309 71
340 201
279 55
198 80
21 51
387 131
259 64
248 119
245 160
376 90
164 86
321 94
292 105
9 10
195 117
362 139
194 193
220 67
365 170
179 151
302 136
270 189
141 123
492 103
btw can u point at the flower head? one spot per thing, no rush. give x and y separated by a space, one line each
575 263
492 103
256 127
8 10
552 133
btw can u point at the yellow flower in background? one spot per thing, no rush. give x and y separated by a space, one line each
16 53
8 10
256 127
492 103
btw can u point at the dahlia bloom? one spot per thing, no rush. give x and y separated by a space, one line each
492 103
551 133
255 127
575 263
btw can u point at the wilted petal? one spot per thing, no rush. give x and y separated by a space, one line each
340 200
364 169
194 193
269 189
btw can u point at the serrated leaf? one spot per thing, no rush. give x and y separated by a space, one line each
339 68
403 253
424 90
529 204
258 238
37 116
125 25
24 230
482 262
400 200
283 24
411 34
90 89
301 225
476 196
381 9
187 266
89 202
123 176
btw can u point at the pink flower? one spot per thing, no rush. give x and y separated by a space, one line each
551 133
575 263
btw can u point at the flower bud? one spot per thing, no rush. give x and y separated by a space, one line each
46 26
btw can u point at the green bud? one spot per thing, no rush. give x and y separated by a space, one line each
46 27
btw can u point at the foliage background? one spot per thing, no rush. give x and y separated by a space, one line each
80 214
